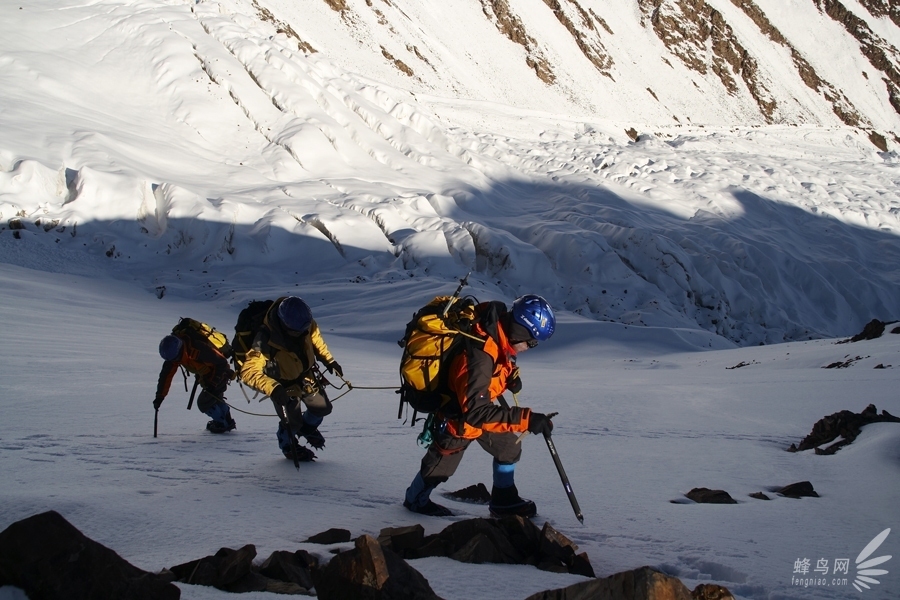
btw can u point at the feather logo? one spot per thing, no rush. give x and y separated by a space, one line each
865 574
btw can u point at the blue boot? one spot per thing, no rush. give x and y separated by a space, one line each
221 418
505 499
310 430
418 499
304 454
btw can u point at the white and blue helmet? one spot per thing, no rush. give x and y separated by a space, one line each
534 314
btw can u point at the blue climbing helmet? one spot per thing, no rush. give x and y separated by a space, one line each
295 314
170 347
534 314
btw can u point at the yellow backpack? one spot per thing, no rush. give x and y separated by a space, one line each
216 339
433 333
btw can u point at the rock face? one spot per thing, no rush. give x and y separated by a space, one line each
48 558
844 424
801 489
511 540
371 572
640 584
708 496
233 571
710 591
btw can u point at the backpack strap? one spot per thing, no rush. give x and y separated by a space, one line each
193 391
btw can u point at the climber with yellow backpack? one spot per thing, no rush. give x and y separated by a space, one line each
204 352
459 358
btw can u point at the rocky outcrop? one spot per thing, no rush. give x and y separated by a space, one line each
233 571
48 558
640 584
844 424
700 37
840 105
873 330
371 572
880 53
510 540
584 32
708 496
507 23
801 489
711 591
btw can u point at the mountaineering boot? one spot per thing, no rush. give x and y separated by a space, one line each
221 418
430 509
310 430
217 427
417 499
304 454
312 435
505 501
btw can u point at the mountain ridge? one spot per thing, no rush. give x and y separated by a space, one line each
728 61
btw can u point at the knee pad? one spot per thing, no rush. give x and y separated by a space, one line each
318 404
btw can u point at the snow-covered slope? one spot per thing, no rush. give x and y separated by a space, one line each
178 136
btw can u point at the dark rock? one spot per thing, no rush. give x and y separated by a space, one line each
711 591
640 584
555 544
845 424
895 330
516 538
48 558
510 540
708 496
251 582
291 567
477 493
432 546
581 565
488 533
484 549
798 490
370 572
873 330
224 568
402 539
759 496
332 536
284 587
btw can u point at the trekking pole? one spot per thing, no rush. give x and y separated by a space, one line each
462 283
155 420
565 480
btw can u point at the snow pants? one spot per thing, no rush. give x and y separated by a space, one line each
446 451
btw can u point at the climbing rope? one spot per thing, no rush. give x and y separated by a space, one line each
350 387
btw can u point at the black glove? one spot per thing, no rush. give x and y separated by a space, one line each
514 385
157 403
540 423
279 396
334 368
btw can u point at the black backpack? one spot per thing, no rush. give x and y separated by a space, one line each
249 322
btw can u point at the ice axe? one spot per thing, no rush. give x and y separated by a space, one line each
155 421
562 472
